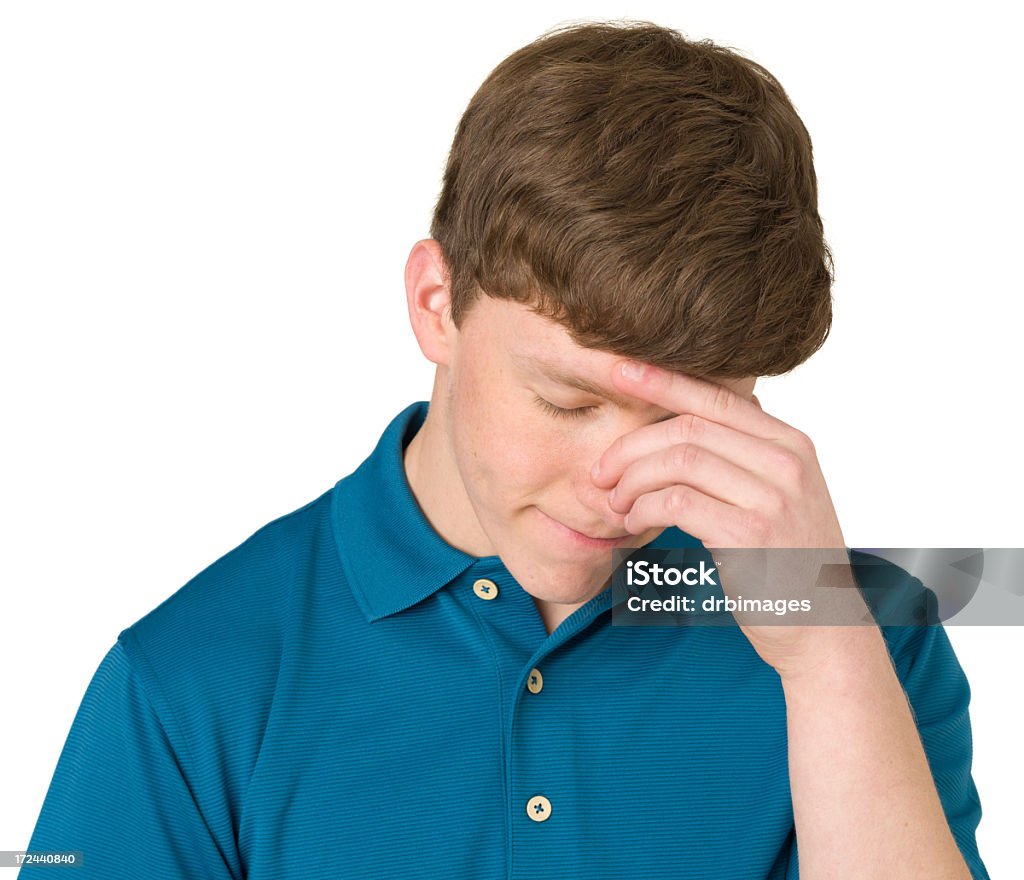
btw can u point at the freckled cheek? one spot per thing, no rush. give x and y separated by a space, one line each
503 439
521 463
552 461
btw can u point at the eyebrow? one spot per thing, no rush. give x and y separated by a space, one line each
556 374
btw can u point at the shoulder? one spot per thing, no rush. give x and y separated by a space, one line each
234 592
216 643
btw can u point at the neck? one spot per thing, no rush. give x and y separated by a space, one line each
437 486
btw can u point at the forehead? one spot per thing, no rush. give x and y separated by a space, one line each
537 344
532 338
540 347
582 371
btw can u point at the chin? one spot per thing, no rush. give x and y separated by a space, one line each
567 580
565 594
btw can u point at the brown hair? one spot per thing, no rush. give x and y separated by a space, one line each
654 195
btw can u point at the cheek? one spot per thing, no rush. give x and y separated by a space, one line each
510 459
504 443
536 460
477 427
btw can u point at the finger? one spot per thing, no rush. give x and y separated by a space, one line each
679 392
711 521
744 450
696 466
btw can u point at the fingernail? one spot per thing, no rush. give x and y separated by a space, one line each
633 370
595 470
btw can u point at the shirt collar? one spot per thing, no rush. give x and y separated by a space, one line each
390 553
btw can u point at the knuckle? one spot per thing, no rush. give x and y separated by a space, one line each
757 526
721 399
684 456
787 463
678 429
803 443
688 428
679 499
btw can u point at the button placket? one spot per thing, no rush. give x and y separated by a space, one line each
538 807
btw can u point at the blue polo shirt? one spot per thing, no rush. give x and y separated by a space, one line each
344 694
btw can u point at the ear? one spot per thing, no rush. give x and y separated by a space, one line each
428 298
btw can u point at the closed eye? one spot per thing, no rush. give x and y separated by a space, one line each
559 412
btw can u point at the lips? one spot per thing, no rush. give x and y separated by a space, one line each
598 537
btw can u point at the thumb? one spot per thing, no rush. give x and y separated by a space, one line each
753 397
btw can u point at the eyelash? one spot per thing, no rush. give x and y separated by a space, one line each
560 412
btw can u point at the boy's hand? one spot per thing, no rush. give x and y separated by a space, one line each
731 475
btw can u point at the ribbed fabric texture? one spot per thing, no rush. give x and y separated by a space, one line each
332 699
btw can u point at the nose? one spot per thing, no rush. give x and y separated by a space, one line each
593 498
595 501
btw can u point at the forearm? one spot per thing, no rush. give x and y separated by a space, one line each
864 801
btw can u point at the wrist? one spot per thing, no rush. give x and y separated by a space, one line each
832 655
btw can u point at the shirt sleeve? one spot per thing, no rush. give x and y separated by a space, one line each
939 694
119 796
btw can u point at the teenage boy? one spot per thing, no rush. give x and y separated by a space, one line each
416 674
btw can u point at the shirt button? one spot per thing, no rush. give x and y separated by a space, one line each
538 808
485 588
535 681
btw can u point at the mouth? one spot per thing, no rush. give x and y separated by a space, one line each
584 539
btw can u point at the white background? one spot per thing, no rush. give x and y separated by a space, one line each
205 211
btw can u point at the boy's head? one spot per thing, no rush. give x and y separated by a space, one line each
655 196
611 191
